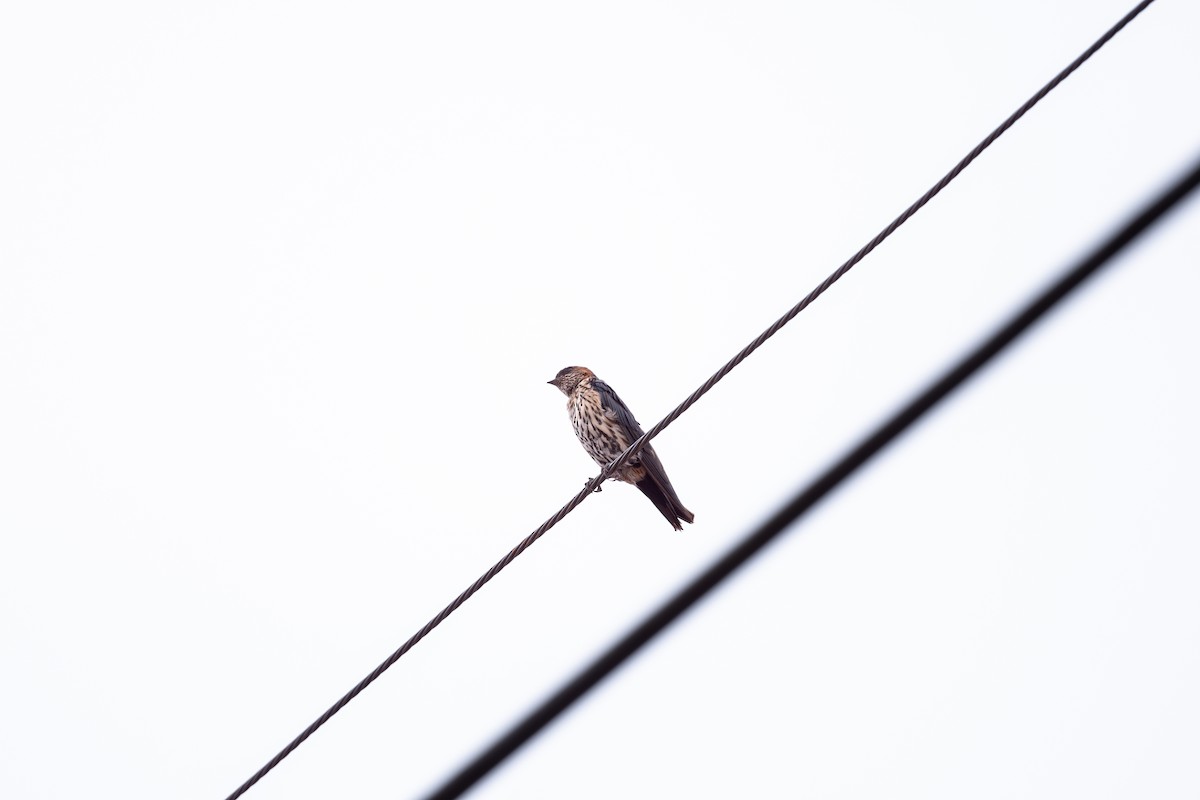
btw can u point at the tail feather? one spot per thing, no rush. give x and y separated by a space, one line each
665 501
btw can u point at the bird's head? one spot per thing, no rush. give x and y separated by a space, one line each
570 377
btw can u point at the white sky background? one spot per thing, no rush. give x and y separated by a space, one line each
280 288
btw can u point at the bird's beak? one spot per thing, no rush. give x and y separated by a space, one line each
553 382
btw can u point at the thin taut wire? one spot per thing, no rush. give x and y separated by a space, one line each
636 447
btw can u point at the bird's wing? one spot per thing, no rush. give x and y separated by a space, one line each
616 409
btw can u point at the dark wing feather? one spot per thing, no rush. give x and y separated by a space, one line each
663 503
610 402
647 458
656 473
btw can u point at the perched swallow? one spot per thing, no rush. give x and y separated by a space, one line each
605 428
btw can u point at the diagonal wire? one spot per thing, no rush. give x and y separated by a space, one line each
881 437
636 447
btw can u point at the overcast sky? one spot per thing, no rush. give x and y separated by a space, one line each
281 285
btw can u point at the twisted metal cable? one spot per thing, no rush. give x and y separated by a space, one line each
637 446
885 233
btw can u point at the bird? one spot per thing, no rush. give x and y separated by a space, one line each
606 428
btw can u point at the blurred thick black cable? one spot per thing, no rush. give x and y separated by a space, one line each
615 656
